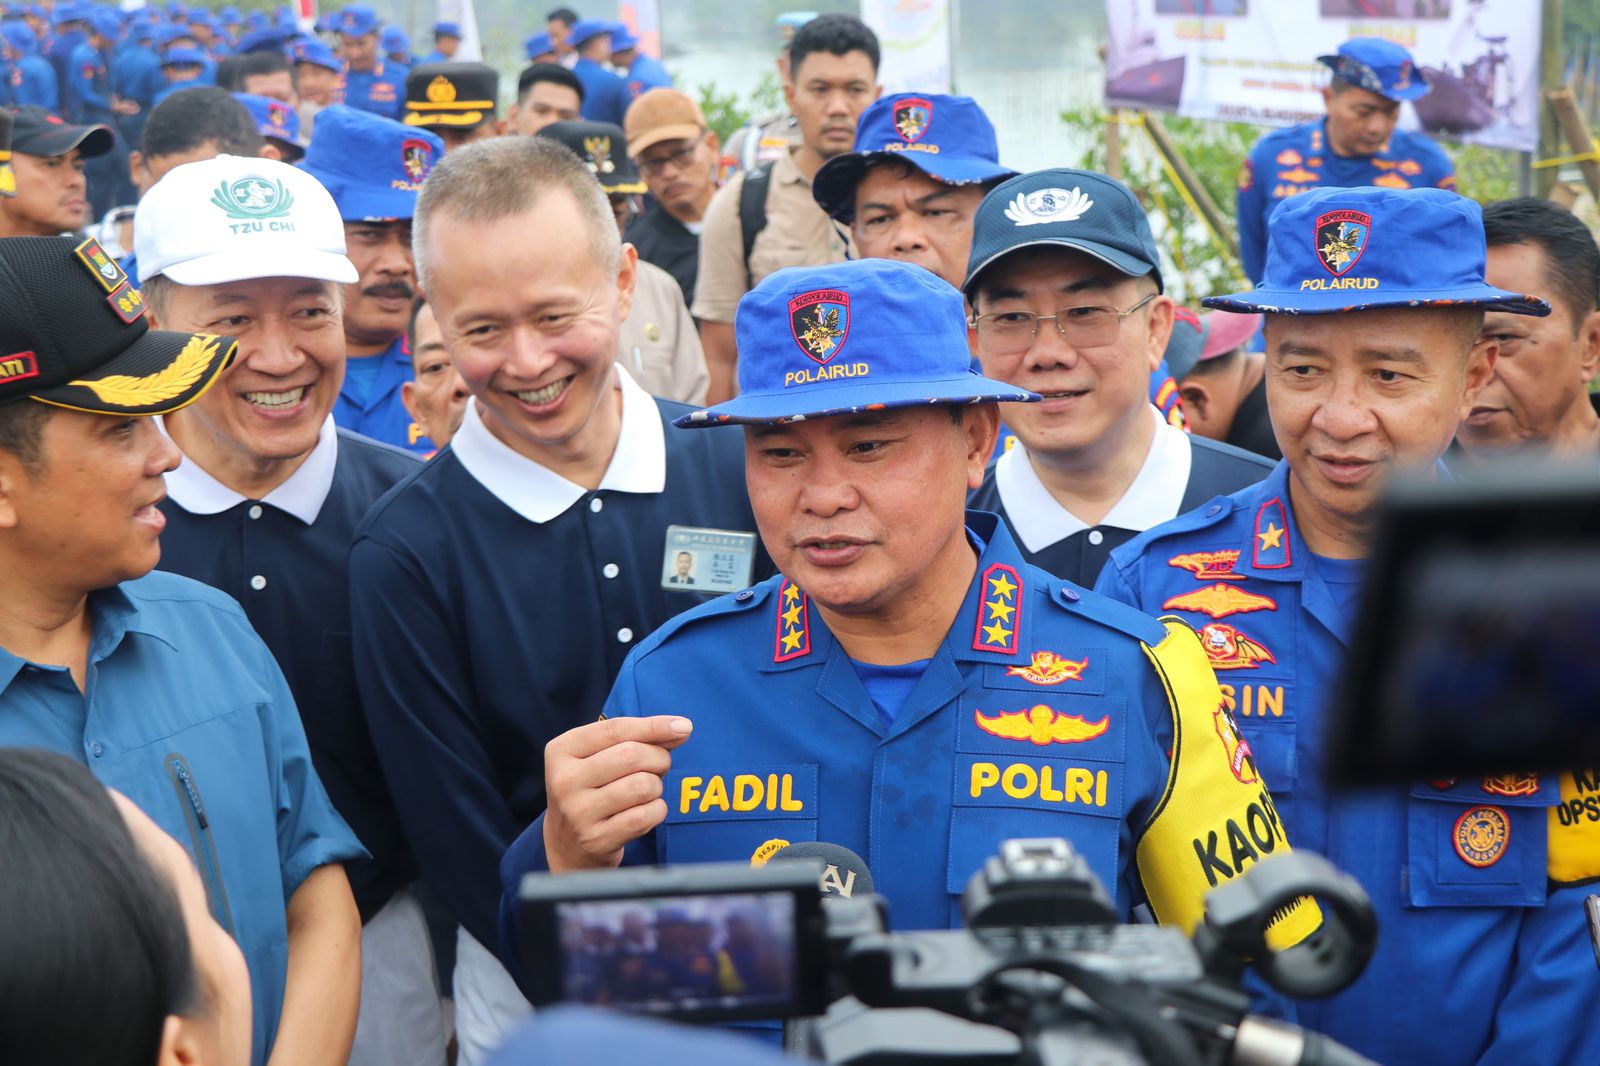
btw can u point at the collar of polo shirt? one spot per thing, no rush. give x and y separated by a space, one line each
302 494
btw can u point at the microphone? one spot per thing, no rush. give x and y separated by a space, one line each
844 873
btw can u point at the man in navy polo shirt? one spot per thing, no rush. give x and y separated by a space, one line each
1065 287
495 594
373 167
266 503
1374 302
156 682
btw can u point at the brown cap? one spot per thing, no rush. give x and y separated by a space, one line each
662 115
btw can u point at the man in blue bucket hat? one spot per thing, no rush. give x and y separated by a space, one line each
907 669
371 81
921 165
1373 301
374 168
1355 143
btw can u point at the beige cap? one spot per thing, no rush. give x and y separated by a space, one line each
662 115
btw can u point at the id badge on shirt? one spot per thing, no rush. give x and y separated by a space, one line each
707 560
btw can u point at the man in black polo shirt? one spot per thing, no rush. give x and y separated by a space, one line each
1065 288
496 592
266 502
677 156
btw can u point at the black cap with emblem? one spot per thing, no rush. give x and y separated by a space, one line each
458 96
604 147
73 334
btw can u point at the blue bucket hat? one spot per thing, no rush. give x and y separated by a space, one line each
1076 209
1332 250
183 57
949 138
105 23
447 29
229 16
277 120
622 38
394 39
372 165
313 51
1378 66
358 20
538 44
585 29
855 336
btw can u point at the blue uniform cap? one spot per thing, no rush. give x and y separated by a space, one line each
271 39
372 165
105 23
622 38
68 13
394 39
316 53
358 20
585 29
538 44
1332 250
949 138
856 336
1378 66
140 30
229 16
181 56
201 17
277 120
1077 209
447 29
176 9
259 20
167 34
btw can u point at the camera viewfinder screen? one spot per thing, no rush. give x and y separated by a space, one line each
679 954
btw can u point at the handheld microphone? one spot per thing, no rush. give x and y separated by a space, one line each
844 873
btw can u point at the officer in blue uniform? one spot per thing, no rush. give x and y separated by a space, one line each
605 96
136 78
371 82
1356 143
1373 300
92 103
184 68
70 23
908 686
374 167
643 72
33 79
446 42
395 44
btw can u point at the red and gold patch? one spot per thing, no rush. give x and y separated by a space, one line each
102 266
1220 600
18 366
1481 835
793 637
1209 566
819 321
1048 668
999 610
127 302
1511 785
1241 759
1229 649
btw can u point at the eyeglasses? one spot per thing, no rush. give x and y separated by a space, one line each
678 160
1011 332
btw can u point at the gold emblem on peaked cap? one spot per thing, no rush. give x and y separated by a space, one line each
598 149
441 90
170 382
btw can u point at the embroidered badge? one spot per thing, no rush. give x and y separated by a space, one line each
1341 239
1048 668
1288 158
101 265
1272 536
18 366
1229 649
441 90
1389 181
912 116
1209 566
1041 725
127 302
1219 601
416 156
999 610
1298 175
252 199
1481 835
1241 759
819 321
598 152
1511 785
1048 205
1443 784
794 624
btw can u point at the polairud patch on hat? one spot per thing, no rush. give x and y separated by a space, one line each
912 117
820 322
417 155
102 266
1342 239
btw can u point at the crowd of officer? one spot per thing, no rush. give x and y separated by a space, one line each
375 523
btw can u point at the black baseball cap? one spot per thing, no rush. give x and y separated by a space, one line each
1077 209
36 131
73 334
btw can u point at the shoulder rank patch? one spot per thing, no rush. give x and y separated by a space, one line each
1229 649
127 302
1272 536
793 637
1209 566
1575 829
102 266
1481 835
999 610
1048 668
1220 600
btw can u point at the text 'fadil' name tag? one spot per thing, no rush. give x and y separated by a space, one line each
707 560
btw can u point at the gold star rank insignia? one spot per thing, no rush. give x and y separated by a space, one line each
1000 592
1271 546
793 637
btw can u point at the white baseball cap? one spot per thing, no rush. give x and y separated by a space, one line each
234 218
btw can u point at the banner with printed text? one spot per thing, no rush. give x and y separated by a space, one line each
1256 60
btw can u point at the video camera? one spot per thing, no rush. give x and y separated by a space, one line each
1042 973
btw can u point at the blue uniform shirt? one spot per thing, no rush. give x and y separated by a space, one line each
1502 960
286 559
647 73
34 82
1291 161
605 96
185 712
381 90
370 403
58 50
492 603
89 86
1048 711
136 75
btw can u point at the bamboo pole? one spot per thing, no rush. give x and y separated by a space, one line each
1570 118
1220 224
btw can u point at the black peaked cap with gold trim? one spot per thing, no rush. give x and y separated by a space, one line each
74 334
458 96
604 148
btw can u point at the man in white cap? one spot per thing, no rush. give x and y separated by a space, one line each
264 508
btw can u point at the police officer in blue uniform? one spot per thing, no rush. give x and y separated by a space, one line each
642 71
1373 300
371 82
908 687
374 167
33 79
1356 143
605 96
446 42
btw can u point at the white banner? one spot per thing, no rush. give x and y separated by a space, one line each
915 41
1256 60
